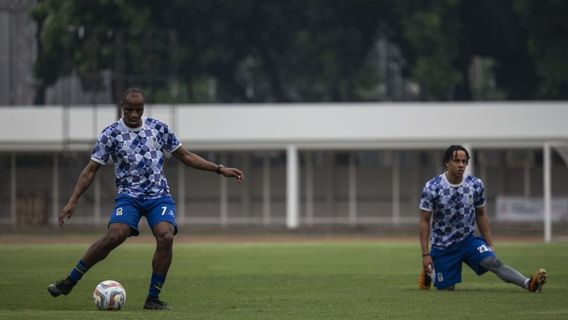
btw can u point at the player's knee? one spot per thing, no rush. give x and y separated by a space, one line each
491 263
165 237
113 239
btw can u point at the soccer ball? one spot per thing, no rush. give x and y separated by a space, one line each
109 295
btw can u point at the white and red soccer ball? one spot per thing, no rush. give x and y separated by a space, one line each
109 295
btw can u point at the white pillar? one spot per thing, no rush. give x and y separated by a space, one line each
181 194
396 188
547 193
55 192
292 214
13 187
352 185
266 204
309 189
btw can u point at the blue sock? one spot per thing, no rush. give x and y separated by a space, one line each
156 284
80 269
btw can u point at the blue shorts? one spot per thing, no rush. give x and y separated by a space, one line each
129 211
448 261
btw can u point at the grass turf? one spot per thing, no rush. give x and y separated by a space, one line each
352 280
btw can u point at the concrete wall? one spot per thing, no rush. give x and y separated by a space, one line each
221 127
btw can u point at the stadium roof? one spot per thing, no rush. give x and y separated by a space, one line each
308 126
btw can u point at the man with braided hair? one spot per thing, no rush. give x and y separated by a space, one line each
450 206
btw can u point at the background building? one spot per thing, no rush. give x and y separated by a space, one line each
307 165
306 112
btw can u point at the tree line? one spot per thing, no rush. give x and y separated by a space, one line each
197 51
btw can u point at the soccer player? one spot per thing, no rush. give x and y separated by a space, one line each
136 145
455 203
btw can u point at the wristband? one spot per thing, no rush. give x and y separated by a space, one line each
425 255
219 167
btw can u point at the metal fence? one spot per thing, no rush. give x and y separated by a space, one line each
349 188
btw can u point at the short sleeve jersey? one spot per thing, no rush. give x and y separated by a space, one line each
138 156
453 208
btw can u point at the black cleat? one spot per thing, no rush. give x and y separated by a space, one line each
61 287
153 303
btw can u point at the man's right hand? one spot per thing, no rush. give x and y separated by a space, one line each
427 264
427 275
67 212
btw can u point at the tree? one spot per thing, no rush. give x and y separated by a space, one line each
302 50
433 35
81 37
250 50
546 23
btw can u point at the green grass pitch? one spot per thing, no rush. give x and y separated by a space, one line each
312 280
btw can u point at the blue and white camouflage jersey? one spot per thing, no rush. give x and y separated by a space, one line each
453 208
138 156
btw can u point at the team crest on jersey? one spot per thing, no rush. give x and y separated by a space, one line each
470 198
155 143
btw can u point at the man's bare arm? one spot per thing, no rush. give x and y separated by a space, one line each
483 225
85 179
424 235
193 160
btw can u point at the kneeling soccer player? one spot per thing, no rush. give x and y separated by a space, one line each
454 203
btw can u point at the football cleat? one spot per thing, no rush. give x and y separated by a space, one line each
61 287
425 280
153 303
537 281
